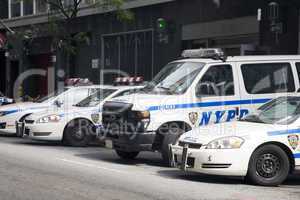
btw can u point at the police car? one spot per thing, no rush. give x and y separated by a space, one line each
5 100
263 147
76 125
204 87
72 94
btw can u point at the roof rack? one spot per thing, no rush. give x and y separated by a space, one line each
213 53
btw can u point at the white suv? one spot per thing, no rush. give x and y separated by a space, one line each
203 88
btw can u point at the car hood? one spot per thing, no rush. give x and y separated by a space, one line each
206 134
150 102
64 112
21 106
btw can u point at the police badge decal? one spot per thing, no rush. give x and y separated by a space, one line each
193 117
293 141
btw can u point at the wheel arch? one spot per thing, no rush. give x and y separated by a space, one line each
159 136
76 119
285 148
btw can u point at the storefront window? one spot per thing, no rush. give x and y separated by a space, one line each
41 6
15 8
28 7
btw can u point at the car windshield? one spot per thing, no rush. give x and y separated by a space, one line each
50 96
95 98
281 111
175 78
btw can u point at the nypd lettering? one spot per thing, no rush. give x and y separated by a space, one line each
220 116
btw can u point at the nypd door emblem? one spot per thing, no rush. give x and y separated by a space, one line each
193 117
293 141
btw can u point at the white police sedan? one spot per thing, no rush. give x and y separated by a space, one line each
75 125
263 147
5 100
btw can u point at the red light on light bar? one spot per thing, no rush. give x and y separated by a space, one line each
128 80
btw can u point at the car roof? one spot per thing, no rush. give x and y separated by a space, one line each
258 58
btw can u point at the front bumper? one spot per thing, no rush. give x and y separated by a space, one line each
228 162
45 132
132 142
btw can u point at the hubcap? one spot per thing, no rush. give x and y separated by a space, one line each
268 165
78 134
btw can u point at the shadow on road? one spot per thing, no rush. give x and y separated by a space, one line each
110 157
293 180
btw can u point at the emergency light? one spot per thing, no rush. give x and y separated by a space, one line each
129 80
203 53
78 82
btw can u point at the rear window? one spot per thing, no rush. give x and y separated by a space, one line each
267 78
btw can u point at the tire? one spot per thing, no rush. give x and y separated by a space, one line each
78 134
269 166
127 155
169 138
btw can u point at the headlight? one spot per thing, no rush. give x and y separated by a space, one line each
143 114
50 118
226 143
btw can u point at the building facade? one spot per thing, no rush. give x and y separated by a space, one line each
240 27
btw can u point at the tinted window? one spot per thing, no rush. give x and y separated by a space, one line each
298 70
217 81
268 78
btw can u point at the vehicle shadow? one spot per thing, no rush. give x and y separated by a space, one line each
110 157
293 180
173 173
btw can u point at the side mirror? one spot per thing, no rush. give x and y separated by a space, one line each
58 103
205 89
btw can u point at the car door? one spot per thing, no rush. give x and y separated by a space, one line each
218 94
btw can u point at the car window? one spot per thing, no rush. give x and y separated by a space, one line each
217 81
267 78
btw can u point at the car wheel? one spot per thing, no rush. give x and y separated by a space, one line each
127 155
269 166
78 134
170 138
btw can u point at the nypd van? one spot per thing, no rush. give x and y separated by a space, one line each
204 87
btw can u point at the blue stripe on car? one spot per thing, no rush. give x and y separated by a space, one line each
207 104
284 132
297 155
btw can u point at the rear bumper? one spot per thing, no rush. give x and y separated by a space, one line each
133 142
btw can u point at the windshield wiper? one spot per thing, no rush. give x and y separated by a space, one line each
166 89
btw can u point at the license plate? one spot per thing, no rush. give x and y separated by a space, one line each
109 144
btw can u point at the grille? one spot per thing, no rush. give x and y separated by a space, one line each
190 145
118 118
2 125
29 121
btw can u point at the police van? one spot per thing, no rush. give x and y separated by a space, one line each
204 87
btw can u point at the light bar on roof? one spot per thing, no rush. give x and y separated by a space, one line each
128 80
202 53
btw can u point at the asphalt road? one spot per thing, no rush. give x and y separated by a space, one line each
31 170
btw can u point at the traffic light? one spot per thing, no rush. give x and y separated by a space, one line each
161 25
162 30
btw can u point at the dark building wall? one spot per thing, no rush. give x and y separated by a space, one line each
3 9
177 13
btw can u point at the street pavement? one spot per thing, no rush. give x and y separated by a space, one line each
35 170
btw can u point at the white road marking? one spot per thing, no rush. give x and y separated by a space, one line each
90 165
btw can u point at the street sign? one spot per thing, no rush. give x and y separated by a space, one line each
2 40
